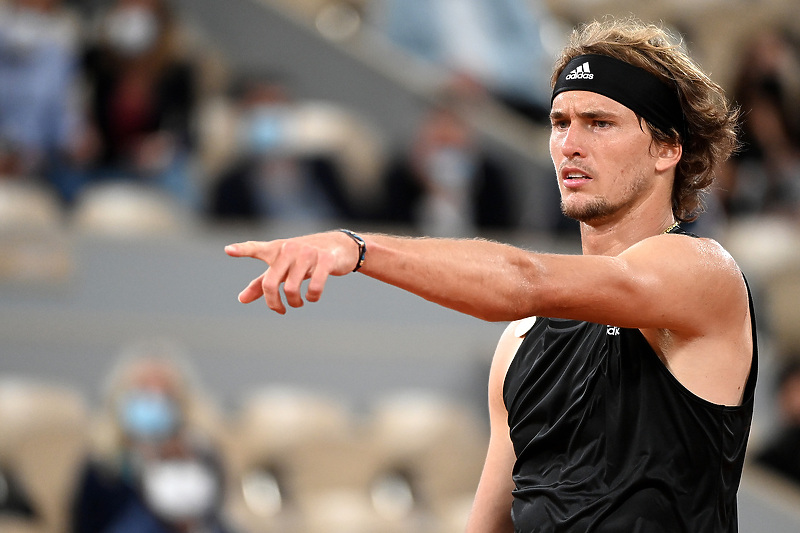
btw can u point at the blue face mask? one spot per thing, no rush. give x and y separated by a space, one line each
451 168
265 129
148 415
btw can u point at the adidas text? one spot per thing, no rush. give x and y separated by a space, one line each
582 72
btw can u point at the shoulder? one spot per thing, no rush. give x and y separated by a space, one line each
509 343
685 256
696 282
711 284
685 244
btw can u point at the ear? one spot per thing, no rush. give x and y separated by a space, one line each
668 156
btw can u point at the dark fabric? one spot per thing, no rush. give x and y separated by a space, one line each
235 196
491 194
104 502
607 440
171 100
100 498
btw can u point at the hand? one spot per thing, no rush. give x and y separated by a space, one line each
292 261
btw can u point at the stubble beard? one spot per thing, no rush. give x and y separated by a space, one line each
600 208
596 209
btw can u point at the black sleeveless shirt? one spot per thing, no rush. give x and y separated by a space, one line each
607 439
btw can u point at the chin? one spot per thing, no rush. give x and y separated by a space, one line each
592 211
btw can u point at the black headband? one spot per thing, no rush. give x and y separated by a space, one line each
633 87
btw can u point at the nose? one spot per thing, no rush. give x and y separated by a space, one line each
571 142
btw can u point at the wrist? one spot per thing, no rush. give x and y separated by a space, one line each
362 247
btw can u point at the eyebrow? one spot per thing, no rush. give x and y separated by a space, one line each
591 114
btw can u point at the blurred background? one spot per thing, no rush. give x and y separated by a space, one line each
138 137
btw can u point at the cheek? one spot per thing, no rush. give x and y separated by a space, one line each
555 152
627 159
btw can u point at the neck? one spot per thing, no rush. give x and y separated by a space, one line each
614 237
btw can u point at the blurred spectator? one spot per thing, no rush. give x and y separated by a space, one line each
764 177
142 96
273 176
781 453
41 121
502 44
155 469
446 184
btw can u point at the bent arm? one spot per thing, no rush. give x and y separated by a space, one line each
491 509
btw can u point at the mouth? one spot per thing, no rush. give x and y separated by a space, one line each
572 178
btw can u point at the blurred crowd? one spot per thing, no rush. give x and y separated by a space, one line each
157 454
85 101
124 91
120 95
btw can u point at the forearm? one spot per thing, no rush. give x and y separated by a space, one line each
485 279
491 508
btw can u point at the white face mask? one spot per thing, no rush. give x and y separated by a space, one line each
132 30
178 490
24 29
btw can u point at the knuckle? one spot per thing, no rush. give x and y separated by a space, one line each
291 292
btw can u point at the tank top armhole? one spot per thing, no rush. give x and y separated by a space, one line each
750 384
523 326
748 394
519 330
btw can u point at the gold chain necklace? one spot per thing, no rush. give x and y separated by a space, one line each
672 227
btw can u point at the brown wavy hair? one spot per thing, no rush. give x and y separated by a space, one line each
711 121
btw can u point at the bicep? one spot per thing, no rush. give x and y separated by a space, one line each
668 283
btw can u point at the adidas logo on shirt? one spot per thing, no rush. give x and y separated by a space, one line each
581 73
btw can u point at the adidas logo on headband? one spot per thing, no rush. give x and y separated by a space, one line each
581 73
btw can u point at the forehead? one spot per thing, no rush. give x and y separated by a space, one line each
583 102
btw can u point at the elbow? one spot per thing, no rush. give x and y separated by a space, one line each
514 306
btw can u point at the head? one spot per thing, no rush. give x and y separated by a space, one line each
697 122
265 114
139 28
149 396
151 400
443 126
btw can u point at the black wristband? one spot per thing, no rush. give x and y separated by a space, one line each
362 248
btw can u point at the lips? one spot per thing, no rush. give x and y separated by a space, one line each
572 177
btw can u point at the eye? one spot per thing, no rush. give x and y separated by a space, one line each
602 124
559 124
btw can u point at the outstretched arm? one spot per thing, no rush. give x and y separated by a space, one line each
694 281
686 294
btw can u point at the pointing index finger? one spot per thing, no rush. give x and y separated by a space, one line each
240 249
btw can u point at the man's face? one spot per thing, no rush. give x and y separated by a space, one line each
602 156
